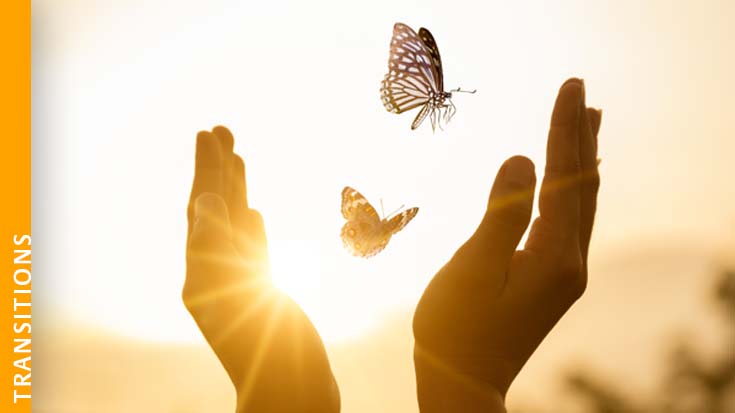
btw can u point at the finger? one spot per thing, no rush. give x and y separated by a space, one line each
247 224
207 171
239 184
210 257
508 213
590 182
595 117
249 232
559 198
225 137
226 141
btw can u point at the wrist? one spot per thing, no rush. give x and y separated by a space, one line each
442 387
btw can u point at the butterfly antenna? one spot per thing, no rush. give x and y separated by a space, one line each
397 209
463 91
381 208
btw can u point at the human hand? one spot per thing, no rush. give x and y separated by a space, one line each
490 306
271 351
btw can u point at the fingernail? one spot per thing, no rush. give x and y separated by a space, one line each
571 80
568 103
582 117
583 99
519 172
597 117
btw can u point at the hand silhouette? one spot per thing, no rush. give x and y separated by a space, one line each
490 306
271 351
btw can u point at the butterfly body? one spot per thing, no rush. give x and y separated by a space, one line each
415 77
365 233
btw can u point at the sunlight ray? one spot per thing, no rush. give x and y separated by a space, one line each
262 300
260 350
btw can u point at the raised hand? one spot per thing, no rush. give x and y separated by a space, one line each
271 351
490 306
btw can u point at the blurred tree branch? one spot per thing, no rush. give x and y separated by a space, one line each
691 385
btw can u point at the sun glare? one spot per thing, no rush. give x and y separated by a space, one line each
302 272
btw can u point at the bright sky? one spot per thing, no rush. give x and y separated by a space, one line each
121 88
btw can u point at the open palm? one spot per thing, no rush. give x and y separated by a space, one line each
271 351
490 306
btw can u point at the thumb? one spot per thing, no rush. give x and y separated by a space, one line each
211 223
508 211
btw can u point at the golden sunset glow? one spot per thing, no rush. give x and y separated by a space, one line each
122 87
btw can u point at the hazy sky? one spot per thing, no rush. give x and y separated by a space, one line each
120 89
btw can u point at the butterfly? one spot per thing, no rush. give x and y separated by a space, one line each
365 233
415 78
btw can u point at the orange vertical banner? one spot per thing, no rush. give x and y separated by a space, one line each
15 208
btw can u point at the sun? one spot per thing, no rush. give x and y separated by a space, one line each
303 272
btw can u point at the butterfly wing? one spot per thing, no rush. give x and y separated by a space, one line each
411 76
361 234
356 206
436 60
420 116
399 221
363 239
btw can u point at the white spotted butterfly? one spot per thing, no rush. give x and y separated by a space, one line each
365 233
415 78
